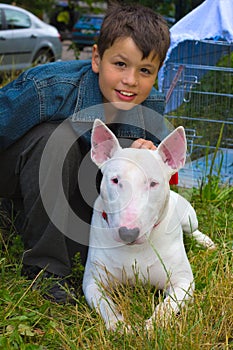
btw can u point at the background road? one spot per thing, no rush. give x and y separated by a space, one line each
69 54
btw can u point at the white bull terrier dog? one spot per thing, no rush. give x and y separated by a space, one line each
138 219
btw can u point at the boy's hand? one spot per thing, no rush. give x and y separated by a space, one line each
141 143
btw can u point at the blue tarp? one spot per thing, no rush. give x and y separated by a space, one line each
213 19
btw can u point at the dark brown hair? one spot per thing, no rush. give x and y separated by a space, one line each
148 29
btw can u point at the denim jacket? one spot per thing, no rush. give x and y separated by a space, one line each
57 91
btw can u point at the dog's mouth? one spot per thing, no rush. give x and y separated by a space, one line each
139 240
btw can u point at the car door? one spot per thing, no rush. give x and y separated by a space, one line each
17 39
3 40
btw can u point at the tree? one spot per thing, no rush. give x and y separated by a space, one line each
185 6
165 7
38 7
175 8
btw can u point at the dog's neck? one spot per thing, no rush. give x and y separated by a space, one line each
105 216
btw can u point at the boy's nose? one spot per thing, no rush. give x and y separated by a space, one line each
130 78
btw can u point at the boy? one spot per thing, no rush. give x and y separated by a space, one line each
131 49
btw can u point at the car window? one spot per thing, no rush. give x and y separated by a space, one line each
16 19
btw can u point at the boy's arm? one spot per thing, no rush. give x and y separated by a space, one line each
40 94
156 102
19 110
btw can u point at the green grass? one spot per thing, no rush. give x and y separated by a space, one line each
30 322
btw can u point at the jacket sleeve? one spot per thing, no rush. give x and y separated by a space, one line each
19 109
43 93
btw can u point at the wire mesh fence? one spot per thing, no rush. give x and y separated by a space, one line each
198 84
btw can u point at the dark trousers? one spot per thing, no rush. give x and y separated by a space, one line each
52 211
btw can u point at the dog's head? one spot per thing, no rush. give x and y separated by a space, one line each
135 185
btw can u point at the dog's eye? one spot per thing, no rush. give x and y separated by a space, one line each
153 184
115 180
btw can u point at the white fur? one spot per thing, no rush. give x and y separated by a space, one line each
152 219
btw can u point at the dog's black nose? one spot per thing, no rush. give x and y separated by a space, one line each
128 235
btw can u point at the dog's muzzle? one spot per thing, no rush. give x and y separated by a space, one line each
128 235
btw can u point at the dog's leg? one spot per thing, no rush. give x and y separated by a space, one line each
188 219
176 297
190 227
203 239
98 299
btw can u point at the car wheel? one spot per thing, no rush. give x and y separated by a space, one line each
43 56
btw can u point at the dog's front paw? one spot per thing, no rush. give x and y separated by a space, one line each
125 328
204 240
158 321
149 324
160 317
119 326
117 323
163 314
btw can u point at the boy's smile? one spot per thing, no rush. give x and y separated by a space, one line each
124 77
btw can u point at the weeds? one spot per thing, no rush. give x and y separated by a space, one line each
75 50
211 188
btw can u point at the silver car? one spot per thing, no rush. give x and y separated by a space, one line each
25 40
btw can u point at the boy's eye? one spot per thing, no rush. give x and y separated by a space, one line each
120 64
145 71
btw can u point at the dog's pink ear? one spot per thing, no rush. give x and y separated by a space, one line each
103 143
173 149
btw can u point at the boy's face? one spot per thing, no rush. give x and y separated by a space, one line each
124 77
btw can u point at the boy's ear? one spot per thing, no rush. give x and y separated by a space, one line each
95 59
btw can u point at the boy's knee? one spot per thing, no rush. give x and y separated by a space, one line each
54 136
51 143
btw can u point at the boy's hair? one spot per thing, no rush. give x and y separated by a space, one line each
148 29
